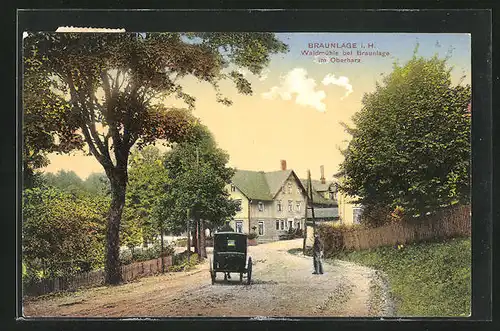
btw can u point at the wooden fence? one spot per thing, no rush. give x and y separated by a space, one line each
95 278
448 223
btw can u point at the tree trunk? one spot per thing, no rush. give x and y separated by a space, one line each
161 252
118 180
188 229
203 246
195 237
198 241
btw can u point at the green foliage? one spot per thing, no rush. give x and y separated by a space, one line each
97 184
198 177
181 262
427 279
148 180
145 254
107 92
410 143
60 231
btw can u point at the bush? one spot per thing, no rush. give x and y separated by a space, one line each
141 254
180 262
332 237
292 233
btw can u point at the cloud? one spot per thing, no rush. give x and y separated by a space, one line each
264 74
342 81
296 83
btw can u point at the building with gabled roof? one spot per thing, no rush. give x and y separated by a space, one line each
272 202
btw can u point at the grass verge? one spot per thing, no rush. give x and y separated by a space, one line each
426 279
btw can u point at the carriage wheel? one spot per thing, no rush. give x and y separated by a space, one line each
249 271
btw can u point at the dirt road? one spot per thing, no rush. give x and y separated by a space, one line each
282 286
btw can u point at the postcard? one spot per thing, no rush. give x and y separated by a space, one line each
246 174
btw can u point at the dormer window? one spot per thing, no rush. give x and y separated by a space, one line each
260 205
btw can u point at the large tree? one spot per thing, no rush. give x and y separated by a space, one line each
198 175
148 180
107 92
410 144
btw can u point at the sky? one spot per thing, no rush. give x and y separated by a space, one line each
299 100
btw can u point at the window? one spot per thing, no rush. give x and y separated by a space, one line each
298 225
239 226
290 224
331 196
238 203
282 224
290 187
356 215
280 208
261 206
261 228
233 188
290 205
298 205
299 191
277 224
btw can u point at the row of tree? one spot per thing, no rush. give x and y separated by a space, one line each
106 93
179 191
410 149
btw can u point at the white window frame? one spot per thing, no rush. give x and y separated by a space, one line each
289 225
260 206
277 225
282 225
298 205
233 188
290 205
263 228
236 226
279 206
290 187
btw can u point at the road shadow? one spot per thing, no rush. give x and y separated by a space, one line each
236 282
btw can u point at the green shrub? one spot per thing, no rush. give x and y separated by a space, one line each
181 263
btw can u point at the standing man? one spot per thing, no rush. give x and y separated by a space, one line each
317 254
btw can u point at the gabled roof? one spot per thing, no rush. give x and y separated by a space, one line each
252 184
275 180
318 185
260 185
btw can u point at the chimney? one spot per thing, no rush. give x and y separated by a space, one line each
323 179
283 164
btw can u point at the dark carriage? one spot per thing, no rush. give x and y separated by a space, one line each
230 256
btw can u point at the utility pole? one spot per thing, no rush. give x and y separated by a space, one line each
309 188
